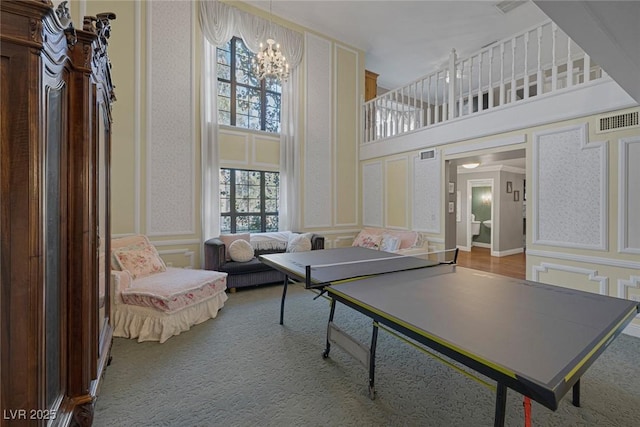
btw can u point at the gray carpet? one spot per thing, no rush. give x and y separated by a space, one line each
244 369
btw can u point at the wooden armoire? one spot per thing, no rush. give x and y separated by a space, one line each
55 98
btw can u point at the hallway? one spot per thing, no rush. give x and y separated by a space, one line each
481 259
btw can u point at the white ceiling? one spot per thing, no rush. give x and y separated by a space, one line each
404 40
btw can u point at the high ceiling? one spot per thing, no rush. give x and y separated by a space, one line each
404 40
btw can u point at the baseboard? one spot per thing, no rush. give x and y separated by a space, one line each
508 252
481 245
464 248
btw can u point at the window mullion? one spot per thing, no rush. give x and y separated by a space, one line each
232 199
233 82
263 104
263 216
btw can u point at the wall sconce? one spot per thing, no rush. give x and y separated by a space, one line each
486 198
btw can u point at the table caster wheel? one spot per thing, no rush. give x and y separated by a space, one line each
325 354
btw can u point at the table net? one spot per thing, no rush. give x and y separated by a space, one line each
320 274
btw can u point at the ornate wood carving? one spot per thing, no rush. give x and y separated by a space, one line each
53 84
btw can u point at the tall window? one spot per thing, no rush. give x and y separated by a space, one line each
243 100
248 201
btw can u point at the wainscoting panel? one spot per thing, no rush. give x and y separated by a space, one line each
372 194
570 186
318 135
345 158
629 195
396 199
170 145
426 194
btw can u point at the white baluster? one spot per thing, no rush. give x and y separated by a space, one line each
554 64
490 85
513 70
569 64
501 74
437 112
453 84
422 99
367 122
461 90
470 95
480 95
429 100
539 88
587 68
526 65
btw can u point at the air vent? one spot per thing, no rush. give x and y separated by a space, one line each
619 121
508 5
429 154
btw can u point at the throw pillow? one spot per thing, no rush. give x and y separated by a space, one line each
228 239
299 243
241 251
140 263
367 240
389 243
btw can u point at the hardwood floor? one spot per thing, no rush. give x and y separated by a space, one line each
481 259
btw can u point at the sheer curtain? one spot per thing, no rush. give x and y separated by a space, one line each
219 23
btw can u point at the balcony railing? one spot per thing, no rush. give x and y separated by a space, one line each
537 62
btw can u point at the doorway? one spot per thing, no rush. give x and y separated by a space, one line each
494 234
480 213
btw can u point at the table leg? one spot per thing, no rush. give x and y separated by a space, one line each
576 394
372 361
332 311
501 405
284 295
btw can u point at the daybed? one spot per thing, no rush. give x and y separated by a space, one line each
249 271
404 242
153 302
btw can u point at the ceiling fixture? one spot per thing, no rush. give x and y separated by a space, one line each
270 62
470 165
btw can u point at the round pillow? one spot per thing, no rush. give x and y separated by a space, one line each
299 243
241 251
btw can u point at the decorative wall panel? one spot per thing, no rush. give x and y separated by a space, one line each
629 195
372 194
318 135
426 194
170 145
396 195
602 282
629 289
570 182
346 136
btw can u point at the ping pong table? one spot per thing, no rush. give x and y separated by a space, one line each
534 338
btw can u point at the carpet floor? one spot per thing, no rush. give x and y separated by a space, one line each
244 369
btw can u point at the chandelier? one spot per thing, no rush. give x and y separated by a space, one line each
270 62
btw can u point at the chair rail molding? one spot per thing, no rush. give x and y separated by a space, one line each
613 262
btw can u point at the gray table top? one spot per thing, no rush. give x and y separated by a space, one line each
522 328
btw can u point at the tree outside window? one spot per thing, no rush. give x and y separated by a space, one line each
248 201
244 100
